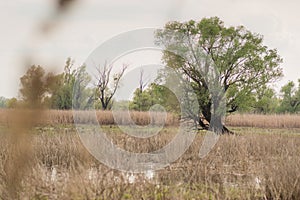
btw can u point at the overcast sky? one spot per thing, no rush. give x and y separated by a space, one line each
91 22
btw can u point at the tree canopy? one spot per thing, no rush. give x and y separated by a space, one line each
62 87
3 102
240 58
55 91
290 102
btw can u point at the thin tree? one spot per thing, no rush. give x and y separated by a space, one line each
105 92
142 85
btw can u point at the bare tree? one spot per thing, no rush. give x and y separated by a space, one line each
105 93
142 83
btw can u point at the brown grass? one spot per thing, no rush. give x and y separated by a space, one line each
50 162
16 158
264 121
246 166
59 117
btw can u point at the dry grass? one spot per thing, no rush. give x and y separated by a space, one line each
264 121
59 117
50 162
251 166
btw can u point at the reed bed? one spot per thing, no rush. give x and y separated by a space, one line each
65 117
264 121
61 117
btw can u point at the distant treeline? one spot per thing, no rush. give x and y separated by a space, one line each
55 91
207 57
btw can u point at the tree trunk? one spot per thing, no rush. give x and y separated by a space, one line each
202 124
225 130
104 105
215 121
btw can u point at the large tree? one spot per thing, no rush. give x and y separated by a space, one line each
239 57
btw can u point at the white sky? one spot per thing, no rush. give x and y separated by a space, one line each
92 22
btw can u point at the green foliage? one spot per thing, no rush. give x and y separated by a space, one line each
239 56
165 97
266 102
155 94
262 100
12 103
63 86
3 102
142 101
56 91
290 102
240 100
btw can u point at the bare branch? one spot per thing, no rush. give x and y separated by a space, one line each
103 80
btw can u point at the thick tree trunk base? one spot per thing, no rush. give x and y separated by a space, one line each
223 131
